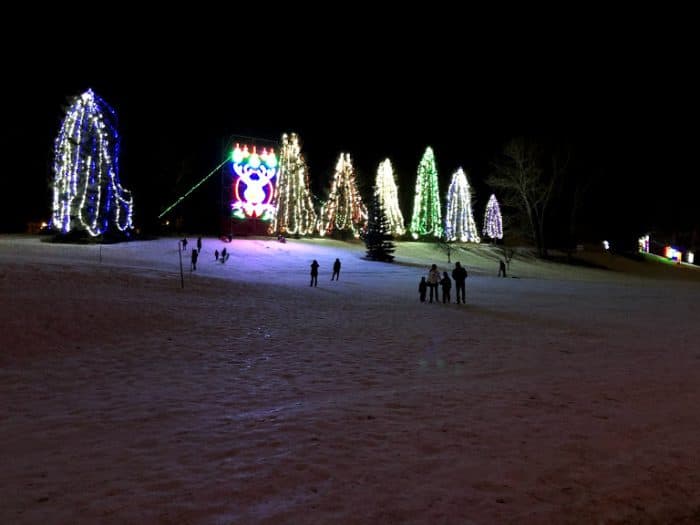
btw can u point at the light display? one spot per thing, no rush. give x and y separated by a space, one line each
671 253
344 211
87 194
253 183
427 216
493 221
644 243
294 209
385 189
459 219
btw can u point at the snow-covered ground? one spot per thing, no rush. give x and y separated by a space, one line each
566 395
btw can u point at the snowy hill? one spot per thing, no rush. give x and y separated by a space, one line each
566 395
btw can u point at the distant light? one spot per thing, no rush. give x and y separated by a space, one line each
644 243
606 245
44 225
671 253
691 257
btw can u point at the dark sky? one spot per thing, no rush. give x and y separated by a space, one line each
626 102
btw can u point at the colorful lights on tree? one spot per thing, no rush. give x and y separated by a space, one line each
427 216
385 189
87 194
253 183
343 212
295 211
459 219
493 221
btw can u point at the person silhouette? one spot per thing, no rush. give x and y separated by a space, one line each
433 281
446 283
459 274
422 289
314 273
336 270
501 268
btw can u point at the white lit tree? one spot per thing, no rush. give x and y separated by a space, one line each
427 215
459 218
343 213
493 221
294 208
87 194
385 189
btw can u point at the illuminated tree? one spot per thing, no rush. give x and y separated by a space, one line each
344 212
427 217
378 238
385 189
459 219
295 211
493 222
87 194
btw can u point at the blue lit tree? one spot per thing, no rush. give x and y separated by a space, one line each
87 194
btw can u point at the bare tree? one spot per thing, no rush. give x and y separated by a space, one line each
508 254
446 247
523 176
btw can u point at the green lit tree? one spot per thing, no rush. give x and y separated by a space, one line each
427 216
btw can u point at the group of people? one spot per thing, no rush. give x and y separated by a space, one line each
195 251
219 257
434 279
314 272
223 257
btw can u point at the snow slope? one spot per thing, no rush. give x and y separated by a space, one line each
566 395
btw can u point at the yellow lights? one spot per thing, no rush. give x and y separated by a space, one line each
387 192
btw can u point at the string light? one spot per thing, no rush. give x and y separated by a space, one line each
87 194
294 209
493 221
344 210
387 193
459 219
427 216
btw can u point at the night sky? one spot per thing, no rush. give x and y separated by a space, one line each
621 103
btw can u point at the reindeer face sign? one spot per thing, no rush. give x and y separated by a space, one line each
253 187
